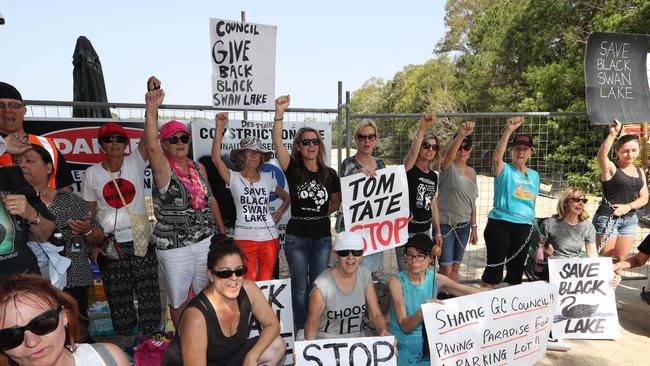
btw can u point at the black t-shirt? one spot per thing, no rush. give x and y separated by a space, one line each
310 203
644 247
422 189
220 192
15 255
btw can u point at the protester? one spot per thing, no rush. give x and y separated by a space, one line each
409 289
423 185
509 226
255 230
624 191
457 202
38 326
214 328
127 273
185 210
12 115
365 138
315 192
343 294
74 221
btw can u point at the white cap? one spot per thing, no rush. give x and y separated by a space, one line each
348 240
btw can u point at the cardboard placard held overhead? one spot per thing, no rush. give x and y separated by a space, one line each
243 64
616 78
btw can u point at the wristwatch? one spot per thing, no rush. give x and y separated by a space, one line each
37 220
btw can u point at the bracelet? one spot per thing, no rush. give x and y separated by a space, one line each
89 232
474 225
276 119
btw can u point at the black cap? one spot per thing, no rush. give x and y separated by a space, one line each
9 92
420 241
13 181
526 140
467 140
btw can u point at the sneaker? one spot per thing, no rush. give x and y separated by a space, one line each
557 345
645 295
300 335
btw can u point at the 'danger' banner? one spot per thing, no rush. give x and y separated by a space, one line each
504 326
378 351
243 64
587 304
278 294
378 207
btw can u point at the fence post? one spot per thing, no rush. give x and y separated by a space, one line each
339 121
347 124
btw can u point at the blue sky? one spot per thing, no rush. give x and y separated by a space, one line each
318 44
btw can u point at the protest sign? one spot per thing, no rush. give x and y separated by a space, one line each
243 64
278 294
504 326
377 207
616 78
586 302
378 351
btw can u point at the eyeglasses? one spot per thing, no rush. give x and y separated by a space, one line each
314 141
239 272
368 137
576 200
466 147
185 139
417 257
10 105
345 253
114 138
41 325
426 145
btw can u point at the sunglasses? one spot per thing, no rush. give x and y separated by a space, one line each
426 145
10 105
185 139
41 325
369 137
576 200
345 253
239 272
306 142
466 147
114 138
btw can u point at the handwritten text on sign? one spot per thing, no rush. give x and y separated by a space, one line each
377 207
378 351
243 64
509 325
587 306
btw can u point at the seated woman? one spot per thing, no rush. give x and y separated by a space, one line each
38 326
409 289
214 327
344 289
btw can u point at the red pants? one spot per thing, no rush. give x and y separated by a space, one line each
260 258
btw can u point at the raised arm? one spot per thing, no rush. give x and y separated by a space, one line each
281 152
426 122
221 119
607 168
466 129
152 84
497 156
159 164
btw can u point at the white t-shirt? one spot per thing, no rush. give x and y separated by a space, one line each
254 221
97 185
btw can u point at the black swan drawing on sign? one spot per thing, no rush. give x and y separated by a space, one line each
577 311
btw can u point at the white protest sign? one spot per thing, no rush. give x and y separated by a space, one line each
377 207
278 294
243 64
508 325
586 302
378 351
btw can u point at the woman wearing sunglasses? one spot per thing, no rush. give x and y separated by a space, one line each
129 273
365 139
457 202
184 208
39 327
255 230
423 185
315 192
343 294
214 328
409 289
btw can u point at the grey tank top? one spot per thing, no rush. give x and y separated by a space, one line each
456 196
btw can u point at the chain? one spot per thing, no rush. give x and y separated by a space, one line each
533 225
315 218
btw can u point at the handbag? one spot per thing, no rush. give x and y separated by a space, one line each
110 248
140 226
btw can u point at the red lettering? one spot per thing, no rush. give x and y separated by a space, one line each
385 241
400 224
374 232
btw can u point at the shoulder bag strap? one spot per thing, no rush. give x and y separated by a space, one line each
105 354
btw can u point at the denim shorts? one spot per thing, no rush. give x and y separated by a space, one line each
623 226
454 242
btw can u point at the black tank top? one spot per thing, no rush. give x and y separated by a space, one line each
621 188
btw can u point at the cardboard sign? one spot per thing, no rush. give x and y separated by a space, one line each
378 351
504 326
378 207
616 78
243 64
586 302
278 294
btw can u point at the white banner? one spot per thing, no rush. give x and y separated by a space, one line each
243 64
504 326
377 351
586 302
378 207
278 294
